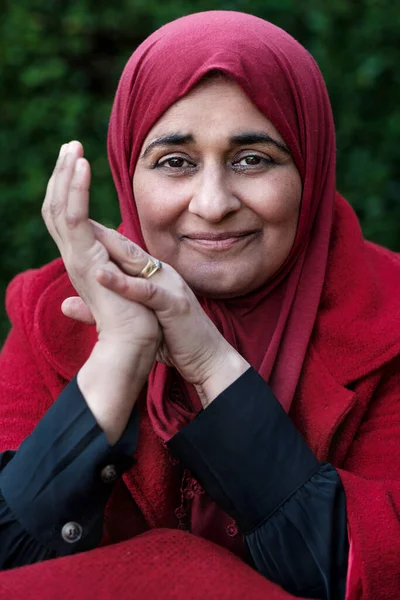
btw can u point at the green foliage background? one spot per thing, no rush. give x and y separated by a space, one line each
59 66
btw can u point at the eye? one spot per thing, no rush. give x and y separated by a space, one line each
252 161
174 163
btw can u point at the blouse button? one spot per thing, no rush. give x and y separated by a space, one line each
109 474
71 532
232 530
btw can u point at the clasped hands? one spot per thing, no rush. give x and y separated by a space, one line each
159 316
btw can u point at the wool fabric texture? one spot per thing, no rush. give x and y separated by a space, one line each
331 356
160 573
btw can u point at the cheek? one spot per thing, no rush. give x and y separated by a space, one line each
277 200
157 207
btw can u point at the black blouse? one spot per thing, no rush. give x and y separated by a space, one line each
242 448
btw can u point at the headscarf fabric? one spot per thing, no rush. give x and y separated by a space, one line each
283 81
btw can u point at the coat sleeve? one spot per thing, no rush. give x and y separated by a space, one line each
253 462
57 469
370 477
54 488
24 396
31 378
371 480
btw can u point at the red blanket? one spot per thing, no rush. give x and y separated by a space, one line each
162 564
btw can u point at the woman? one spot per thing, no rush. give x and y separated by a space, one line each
239 265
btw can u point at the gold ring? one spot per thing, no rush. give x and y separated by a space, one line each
153 265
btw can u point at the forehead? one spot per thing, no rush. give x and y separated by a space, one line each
214 108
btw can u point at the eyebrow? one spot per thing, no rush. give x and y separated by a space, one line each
247 138
173 139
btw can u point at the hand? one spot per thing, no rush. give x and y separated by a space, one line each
191 342
65 212
128 332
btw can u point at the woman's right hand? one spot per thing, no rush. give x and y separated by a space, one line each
66 214
128 333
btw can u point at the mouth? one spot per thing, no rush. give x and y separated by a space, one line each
220 241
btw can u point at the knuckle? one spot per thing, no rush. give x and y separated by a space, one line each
118 236
45 211
78 186
55 208
184 305
124 286
59 169
130 250
130 255
72 220
151 291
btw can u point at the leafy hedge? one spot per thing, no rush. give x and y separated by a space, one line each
60 62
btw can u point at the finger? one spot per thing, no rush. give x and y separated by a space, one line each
144 291
125 253
79 232
59 160
62 181
77 209
75 308
50 191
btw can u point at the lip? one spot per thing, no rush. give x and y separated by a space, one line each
223 235
220 241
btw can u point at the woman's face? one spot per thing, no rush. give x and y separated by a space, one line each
217 192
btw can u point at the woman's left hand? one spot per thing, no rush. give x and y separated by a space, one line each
191 342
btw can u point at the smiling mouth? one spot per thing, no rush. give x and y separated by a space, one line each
220 241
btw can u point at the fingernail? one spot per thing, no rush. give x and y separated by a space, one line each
62 150
73 146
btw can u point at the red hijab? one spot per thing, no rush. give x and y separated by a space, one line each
283 81
318 293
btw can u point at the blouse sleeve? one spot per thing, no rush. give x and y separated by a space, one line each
54 488
290 507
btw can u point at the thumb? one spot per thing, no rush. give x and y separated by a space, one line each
75 308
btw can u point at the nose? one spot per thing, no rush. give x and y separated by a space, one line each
212 198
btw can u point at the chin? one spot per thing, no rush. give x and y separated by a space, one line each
220 286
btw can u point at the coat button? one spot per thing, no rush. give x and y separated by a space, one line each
71 532
109 474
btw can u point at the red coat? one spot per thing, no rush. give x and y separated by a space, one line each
353 423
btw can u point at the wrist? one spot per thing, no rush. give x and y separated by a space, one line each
225 371
111 381
129 359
